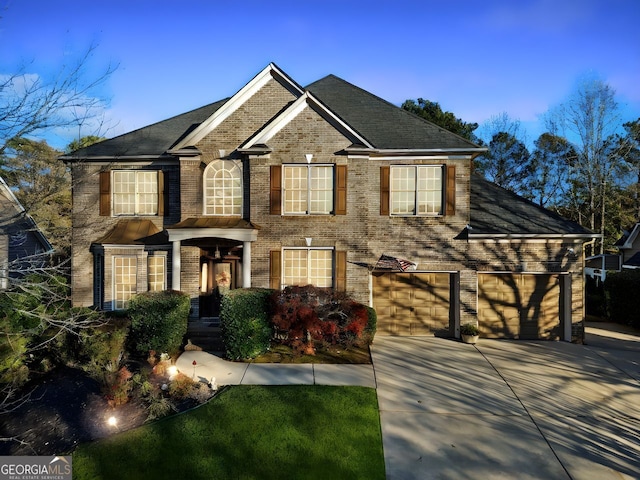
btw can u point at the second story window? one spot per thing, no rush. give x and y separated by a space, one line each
307 189
135 192
132 192
416 190
223 188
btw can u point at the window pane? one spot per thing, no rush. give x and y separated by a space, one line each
429 190
124 280
295 184
223 188
321 189
295 267
124 190
321 268
403 188
156 273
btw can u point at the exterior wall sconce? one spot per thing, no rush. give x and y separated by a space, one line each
308 156
222 152
308 241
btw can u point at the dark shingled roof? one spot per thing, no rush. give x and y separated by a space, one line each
495 210
634 261
153 140
383 124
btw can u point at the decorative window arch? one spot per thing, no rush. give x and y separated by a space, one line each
222 182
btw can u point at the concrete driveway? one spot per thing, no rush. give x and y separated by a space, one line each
509 409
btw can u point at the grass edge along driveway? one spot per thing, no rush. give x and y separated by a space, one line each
250 432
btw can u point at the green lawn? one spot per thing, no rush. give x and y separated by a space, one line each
250 432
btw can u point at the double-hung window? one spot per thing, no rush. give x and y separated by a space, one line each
307 266
416 190
307 189
223 188
156 272
125 275
135 192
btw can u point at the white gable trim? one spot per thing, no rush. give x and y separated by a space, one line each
235 102
632 237
292 112
11 196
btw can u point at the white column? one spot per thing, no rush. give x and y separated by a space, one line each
175 265
246 265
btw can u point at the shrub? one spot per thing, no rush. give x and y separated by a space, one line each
158 321
117 385
621 291
372 325
244 320
305 314
99 346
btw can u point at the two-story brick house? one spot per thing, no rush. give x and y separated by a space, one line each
326 185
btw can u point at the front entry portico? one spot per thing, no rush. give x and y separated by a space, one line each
222 247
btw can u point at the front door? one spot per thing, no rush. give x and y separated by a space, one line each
217 276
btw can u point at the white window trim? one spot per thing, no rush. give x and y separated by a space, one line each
238 165
308 167
308 249
442 192
136 207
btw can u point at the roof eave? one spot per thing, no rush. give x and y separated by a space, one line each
113 158
532 236
358 150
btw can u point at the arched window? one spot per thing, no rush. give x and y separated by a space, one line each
223 188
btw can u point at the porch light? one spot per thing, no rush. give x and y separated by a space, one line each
217 253
112 421
308 156
308 241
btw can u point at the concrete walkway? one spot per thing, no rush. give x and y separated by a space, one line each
234 373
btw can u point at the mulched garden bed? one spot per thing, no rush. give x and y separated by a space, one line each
66 407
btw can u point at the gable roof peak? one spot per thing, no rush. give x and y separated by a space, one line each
238 99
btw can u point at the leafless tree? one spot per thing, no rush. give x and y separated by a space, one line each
589 119
31 105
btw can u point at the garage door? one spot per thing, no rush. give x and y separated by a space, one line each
514 305
412 303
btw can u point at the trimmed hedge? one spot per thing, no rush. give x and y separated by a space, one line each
245 323
158 321
623 302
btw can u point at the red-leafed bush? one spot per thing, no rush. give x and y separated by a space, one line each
304 315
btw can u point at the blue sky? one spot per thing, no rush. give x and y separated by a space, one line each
476 58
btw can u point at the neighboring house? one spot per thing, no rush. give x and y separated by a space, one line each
629 247
20 238
326 185
597 266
